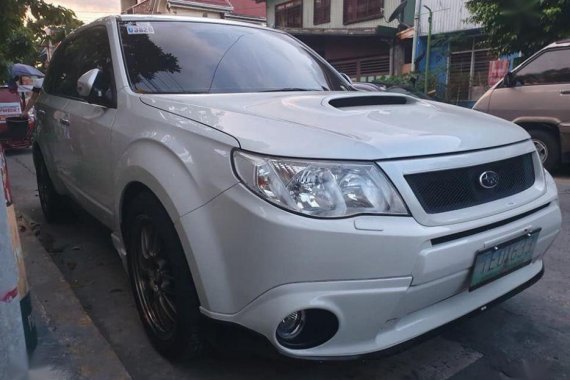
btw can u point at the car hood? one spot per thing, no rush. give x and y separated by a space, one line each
341 125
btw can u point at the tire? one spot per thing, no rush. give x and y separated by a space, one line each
547 146
161 281
55 207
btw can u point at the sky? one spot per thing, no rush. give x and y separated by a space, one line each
89 10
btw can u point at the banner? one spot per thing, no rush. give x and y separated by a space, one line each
10 109
497 71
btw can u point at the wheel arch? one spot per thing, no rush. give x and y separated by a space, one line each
545 124
548 128
37 153
181 181
148 165
130 191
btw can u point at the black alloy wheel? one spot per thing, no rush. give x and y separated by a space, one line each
55 207
153 280
161 280
547 146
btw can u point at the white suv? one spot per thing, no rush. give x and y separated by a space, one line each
245 182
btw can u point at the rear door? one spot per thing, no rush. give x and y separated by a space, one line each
542 90
52 121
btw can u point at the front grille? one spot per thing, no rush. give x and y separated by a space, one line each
488 227
454 189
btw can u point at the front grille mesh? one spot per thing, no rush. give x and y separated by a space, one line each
454 189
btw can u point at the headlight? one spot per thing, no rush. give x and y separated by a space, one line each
322 189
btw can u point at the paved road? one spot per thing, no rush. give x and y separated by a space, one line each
527 334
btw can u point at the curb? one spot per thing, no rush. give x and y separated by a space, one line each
88 350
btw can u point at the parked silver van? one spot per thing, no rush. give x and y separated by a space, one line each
536 96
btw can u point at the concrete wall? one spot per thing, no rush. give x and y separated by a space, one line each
183 11
125 4
248 8
336 15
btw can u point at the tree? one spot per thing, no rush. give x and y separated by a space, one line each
521 25
22 35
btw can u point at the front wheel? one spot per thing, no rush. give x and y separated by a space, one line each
162 284
547 147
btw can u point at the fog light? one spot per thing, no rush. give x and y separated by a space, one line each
306 328
291 325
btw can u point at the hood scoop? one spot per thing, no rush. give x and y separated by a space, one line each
369 100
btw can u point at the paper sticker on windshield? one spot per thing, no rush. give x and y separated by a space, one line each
140 28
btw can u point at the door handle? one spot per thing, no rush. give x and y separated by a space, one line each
564 92
64 122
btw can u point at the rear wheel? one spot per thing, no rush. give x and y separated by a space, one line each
162 284
55 207
547 147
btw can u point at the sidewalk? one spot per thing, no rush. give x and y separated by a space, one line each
69 345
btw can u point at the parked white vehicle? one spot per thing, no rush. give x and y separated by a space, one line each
245 182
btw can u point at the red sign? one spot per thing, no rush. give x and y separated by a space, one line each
497 70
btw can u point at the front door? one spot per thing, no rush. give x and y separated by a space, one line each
542 90
90 122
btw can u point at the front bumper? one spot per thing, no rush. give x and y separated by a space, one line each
243 338
386 279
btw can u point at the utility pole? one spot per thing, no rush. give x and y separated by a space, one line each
13 355
416 33
428 50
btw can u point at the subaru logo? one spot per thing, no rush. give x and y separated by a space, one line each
489 179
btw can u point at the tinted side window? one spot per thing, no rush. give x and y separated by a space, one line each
92 51
57 70
549 68
88 50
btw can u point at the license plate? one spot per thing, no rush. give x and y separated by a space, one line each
493 263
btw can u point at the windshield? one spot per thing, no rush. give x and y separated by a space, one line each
194 57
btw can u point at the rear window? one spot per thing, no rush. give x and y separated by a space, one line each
194 57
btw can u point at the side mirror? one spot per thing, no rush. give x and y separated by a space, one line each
346 77
509 80
86 82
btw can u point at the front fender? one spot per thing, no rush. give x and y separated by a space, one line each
184 163
183 178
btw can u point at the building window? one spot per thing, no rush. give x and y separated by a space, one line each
364 69
289 14
322 12
362 10
468 70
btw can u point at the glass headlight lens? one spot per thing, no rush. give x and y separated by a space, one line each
320 188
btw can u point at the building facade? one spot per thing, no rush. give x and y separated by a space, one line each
247 10
241 10
355 36
459 59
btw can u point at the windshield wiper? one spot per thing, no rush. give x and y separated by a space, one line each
292 89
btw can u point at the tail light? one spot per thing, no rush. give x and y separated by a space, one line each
5 180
